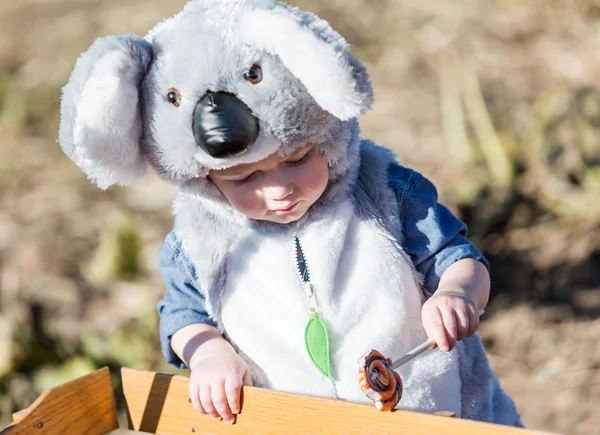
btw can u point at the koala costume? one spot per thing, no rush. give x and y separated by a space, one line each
227 82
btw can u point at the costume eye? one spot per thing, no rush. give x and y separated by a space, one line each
174 97
254 75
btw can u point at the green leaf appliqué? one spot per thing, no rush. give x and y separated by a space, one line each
317 344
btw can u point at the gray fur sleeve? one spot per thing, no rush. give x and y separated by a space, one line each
483 398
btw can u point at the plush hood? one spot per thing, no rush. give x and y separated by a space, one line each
223 82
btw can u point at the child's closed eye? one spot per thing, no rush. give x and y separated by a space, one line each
290 163
245 179
305 158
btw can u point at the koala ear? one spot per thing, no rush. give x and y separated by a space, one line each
316 54
101 125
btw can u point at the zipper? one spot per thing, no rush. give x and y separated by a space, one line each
304 273
316 335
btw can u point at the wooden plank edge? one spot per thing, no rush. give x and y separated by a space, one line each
18 416
445 414
21 418
174 393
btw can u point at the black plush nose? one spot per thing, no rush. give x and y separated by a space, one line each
223 125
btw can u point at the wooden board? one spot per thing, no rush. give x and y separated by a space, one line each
158 403
83 406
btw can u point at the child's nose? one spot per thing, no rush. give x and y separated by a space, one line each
280 191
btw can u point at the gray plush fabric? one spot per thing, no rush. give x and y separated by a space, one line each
104 140
482 396
312 90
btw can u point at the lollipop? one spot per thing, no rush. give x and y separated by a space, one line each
378 379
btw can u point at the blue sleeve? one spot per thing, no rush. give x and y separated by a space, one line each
433 237
183 304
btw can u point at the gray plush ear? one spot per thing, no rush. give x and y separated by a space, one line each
101 123
315 54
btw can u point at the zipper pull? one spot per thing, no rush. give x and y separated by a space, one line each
310 297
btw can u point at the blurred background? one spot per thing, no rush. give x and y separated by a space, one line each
496 101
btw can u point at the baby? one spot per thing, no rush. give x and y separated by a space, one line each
297 245
373 288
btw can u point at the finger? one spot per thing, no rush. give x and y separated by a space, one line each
207 403
195 399
219 400
247 378
434 327
473 321
450 326
233 389
463 320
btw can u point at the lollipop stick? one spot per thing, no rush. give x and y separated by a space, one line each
417 351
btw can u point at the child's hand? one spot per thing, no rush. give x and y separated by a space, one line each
216 381
449 317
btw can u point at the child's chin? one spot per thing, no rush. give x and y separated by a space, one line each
287 218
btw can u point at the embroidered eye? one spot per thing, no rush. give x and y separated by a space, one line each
174 97
254 75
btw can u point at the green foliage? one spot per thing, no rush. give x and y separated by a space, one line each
119 252
463 106
32 112
561 150
54 375
554 164
13 105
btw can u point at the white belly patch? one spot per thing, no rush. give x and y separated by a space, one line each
366 295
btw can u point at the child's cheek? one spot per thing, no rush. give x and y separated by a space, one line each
315 181
247 201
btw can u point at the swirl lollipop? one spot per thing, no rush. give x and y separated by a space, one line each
379 380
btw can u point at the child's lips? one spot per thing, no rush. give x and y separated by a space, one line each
287 209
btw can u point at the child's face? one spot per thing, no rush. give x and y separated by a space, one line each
277 189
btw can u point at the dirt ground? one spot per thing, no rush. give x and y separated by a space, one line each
63 314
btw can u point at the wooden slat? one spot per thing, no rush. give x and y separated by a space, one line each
18 416
83 406
445 413
158 403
